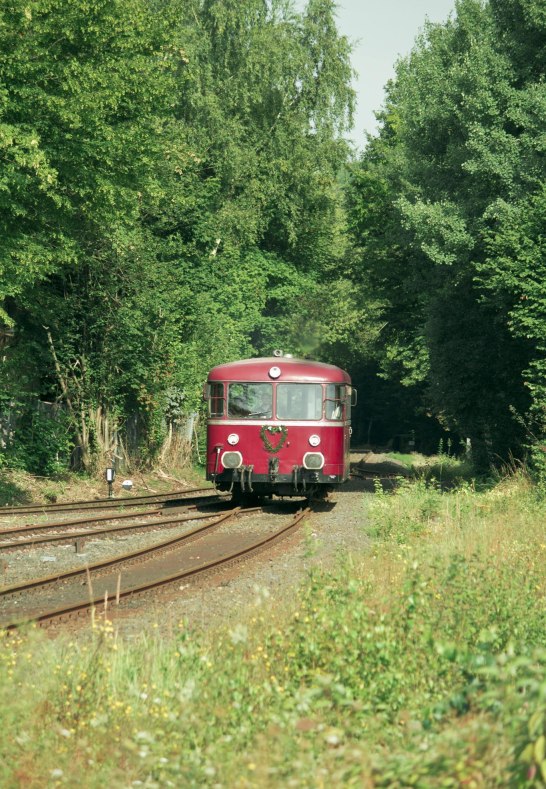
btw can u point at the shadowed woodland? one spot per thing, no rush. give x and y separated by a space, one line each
176 191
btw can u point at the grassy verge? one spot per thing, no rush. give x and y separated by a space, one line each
442 468
19 487
419 664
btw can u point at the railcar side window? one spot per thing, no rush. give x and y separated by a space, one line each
216 399
299 401
250 401
335 400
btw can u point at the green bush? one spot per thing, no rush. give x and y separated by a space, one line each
42 444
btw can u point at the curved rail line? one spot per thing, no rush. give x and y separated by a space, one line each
100 604
34 527
90 533
124 557
136 501
59 525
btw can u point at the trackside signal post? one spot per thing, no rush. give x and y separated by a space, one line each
110 475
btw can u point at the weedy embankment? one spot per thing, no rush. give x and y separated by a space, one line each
420 663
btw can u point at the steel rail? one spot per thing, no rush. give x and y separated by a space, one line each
100 503
120 559
206 501
89 533
32 527
48 616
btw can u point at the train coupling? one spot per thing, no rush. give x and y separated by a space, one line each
273 469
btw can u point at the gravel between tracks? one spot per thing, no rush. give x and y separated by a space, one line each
271 576
331 531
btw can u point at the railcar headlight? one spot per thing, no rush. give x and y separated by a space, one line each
314 440
232 459
233 439
313 460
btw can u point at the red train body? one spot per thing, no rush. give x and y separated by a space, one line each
278 425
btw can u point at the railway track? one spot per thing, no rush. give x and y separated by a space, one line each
122 560
99 603
28 528
97 504
85 534
14 532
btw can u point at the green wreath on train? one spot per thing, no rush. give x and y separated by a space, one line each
273 430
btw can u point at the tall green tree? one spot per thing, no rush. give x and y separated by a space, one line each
183 196
85 96
458 139
264 100
84 87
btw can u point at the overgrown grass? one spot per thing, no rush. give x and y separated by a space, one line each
408 459
20 487
419 664
10 491
443 468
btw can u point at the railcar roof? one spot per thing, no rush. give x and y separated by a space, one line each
291 370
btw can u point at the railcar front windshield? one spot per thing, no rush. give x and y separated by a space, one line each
299 401
250 401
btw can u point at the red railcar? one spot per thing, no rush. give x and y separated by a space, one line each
278 425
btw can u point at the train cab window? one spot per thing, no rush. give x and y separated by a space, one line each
216 399
299 401
335 401
250 401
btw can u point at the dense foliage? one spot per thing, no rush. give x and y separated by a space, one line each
169 190
176 191
448 211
